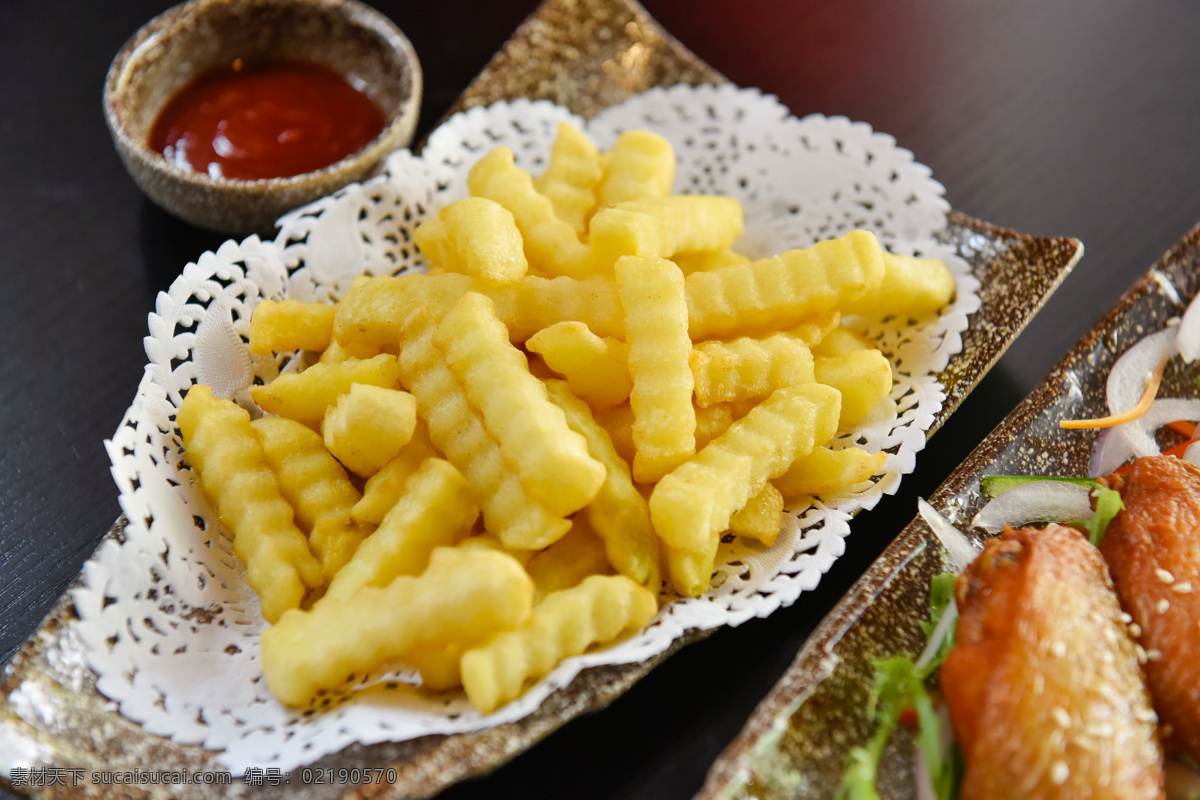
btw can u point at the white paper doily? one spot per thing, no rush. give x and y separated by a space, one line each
171 625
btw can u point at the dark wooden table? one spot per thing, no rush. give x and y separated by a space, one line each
1073 117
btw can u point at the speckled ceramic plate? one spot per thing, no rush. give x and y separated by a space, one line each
795 743
50 711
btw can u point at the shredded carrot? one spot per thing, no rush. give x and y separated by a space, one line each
1142 406
1184 429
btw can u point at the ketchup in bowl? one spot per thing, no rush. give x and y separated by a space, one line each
268 120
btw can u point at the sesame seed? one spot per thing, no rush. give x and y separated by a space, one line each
1163 606
1141 653
1145 715
1058 649
1126 617
1154 655
1062 717
1184 587
1164 576
1060 772
1135 630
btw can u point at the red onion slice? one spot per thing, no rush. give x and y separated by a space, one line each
1139 434
1188 343
1192 454
1037 501
1110 451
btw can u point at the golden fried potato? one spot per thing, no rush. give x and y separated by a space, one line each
618 514
228 458
551 460
863 377
912 287
368 426
317 488
304 396
572 176
664 421
1043 685
705 260
384 488
824 470
282 325
565 624
596 369
437 510
779 292
462 596
568 561
691 506
761 517
748 368
457 430
474 236
662 227
641 165
551 244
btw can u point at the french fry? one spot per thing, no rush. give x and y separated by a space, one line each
334 353
317 488
664 420
691 506
551 244
813 330
572 176
565 624
618 513
461 597
367 427
839 341
437 510
222 448
664 226
863 377
782 291
477 237
568 561
551 460
304 396
711 422
641 165
282 325
761 517
706 260
825 470
596 369
384 488
618 424
690 570
911 287
458 431
748 368
370 316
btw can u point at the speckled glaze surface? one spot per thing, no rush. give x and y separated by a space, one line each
794 744
49 706
189 40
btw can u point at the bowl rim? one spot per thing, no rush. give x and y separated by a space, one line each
117 79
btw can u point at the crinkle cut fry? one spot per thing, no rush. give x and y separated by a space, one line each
662 227
463 595
226 454
316 486
571 178
664 419
618 514
694 503
747 367
370 316
565 624
551 244
551 460
304 396
458 431
780 292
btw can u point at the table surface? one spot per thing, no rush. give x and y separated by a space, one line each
1075 117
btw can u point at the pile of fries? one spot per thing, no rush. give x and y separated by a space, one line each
513 458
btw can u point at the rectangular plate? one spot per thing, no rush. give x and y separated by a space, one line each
50 710
795 743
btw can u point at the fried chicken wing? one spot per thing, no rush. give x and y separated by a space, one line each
1153 554
1043 687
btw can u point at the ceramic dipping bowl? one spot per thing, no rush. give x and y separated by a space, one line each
192 39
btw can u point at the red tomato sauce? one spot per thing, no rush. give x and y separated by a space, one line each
268 120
